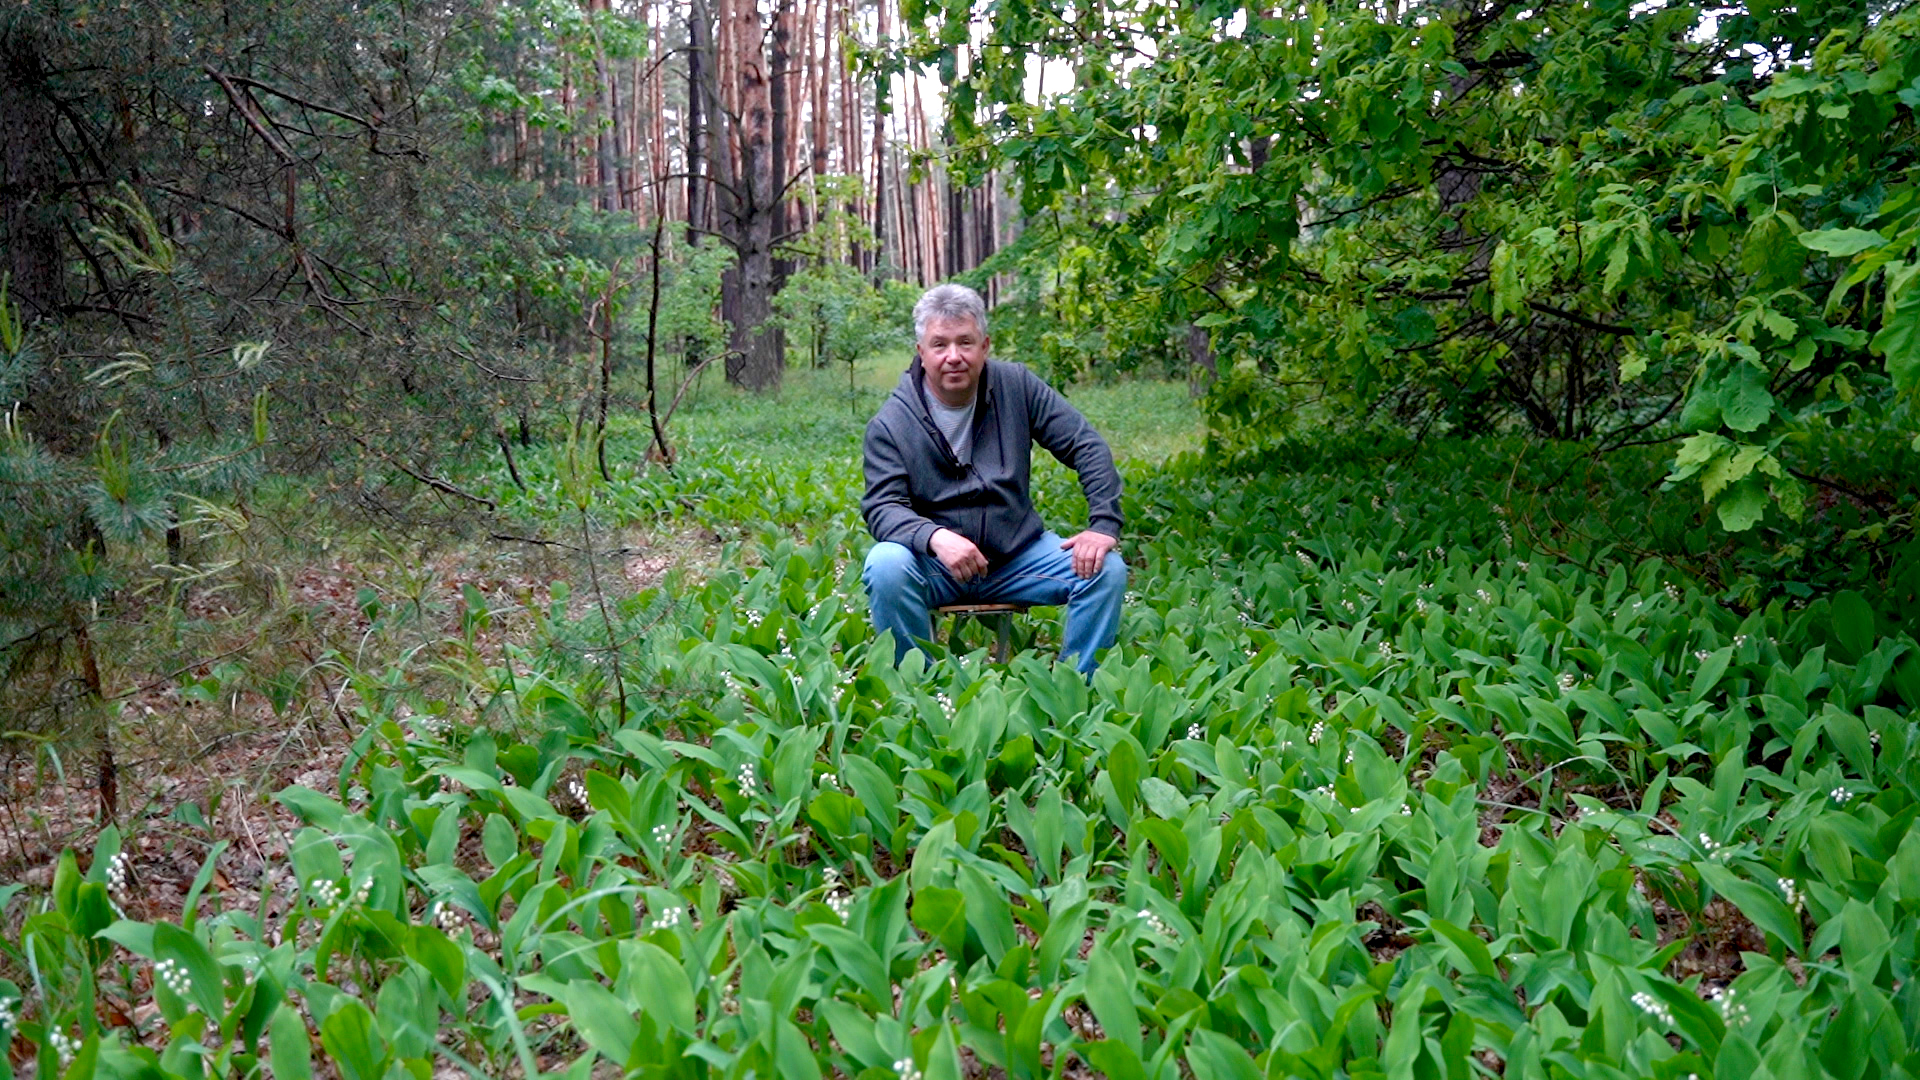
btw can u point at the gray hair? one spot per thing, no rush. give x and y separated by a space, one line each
949 301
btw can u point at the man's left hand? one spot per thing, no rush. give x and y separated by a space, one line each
1089 551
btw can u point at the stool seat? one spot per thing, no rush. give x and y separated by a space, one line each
1001 614
983 609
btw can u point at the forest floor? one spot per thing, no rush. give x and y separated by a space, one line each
1552 747
265 696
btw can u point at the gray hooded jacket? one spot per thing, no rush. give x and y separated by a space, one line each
916 486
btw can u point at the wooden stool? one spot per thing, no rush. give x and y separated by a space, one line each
1001 615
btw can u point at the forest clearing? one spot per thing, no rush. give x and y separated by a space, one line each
431 598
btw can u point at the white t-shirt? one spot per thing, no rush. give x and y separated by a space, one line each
955 424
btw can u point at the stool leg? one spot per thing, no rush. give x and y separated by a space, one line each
1001 634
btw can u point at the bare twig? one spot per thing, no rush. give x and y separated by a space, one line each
429 480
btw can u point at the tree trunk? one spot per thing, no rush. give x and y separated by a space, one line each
1201 367
780 99
956 218
29 178
817 74
606 108
878 201
850 158
700 63
757 351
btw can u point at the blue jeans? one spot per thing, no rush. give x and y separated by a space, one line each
903 588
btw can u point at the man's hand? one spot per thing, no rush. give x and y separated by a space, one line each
1089 551
958 554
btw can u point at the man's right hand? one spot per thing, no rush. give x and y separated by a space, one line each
958 554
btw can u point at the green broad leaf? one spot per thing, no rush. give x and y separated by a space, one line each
654 978
943 1057
1617 263
208 990
313 808
135 937
498 840
1214 1056
1632 366
1467 944
1695 452
1171 842
1125 768
1745 402
1728 468
792 772
443 838
1702 410
941 914
86 1062
1903 870
878 792
92 913
189 909
1508 296
606 792
445 961
605 1022
105 847
1791 496
1846 1045
832 812
932 861
1695 1019
1863 940
853 1028
1066 925
1854 626
855 959
1842 243
1163 798
1741 508
529 806
1737 1057
316 857
1115 1059
348 1036
989 917
289 1046
1757 902
1710 671
1899 337
1109 993
792 1054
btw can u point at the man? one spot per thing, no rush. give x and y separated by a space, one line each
948 458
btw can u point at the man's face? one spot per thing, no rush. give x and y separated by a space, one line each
953 352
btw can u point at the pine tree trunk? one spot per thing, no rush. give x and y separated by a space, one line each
817 75
956 217
757 351
700 64
878 201
29 177
780 99
606 121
